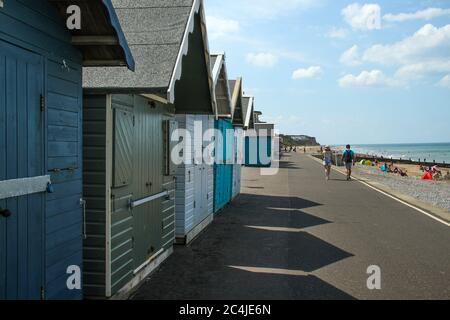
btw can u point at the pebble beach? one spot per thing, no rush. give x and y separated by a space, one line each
436 193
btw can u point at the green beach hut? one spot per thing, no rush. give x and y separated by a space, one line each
129 178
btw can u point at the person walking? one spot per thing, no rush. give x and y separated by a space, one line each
327 161
348 157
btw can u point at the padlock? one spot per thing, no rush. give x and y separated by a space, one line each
50 188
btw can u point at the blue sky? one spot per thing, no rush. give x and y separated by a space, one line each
343 71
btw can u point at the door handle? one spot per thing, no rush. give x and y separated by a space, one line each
5 213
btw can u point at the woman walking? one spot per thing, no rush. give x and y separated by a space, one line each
327 161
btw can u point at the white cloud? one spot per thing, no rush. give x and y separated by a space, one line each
337 33
309 73
423 54
351 57
374 78
426 14
445 82
219 27
427 43
421 69
263 59
363 17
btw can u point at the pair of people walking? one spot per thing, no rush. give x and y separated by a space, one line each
348 158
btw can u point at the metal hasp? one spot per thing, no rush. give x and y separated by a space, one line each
137 203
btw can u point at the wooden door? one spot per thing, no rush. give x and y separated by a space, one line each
21 156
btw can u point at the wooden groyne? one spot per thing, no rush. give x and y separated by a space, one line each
425 163
338 161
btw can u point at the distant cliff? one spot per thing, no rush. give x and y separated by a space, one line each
299 140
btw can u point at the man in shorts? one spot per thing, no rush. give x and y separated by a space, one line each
348 157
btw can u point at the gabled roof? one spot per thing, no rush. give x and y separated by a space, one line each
248 108
163 36
237 102
221 88
100 40
256 115
262 125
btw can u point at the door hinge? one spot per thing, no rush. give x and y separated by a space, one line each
132 242
42 293
42 103
195 204
134 121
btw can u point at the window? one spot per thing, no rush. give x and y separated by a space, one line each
123 148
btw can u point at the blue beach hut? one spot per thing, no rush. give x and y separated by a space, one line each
258 137
41 100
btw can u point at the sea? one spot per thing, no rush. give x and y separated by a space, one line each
439 152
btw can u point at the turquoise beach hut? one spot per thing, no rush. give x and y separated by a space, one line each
239 133
224 148
259 142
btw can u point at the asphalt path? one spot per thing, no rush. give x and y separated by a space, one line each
295 235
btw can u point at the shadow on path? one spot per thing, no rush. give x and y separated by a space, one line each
288 165
255 249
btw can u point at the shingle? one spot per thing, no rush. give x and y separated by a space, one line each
154 65
154 25
154 30
151 3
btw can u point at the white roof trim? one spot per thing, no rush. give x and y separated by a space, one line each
216 69
238 87
197 7
220 65
249 111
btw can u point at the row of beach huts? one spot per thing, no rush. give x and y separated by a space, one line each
91 200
